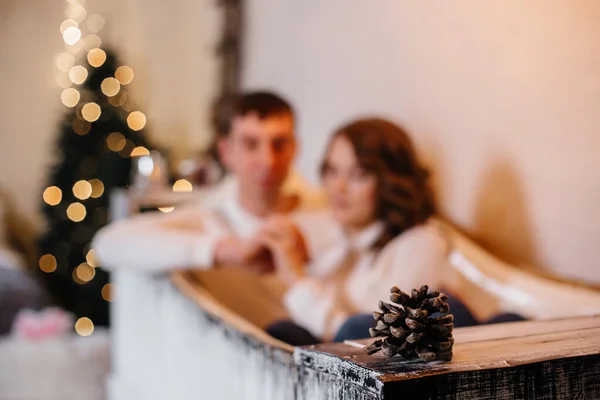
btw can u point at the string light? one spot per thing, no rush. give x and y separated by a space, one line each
91 41
116 141
68 23
124 74
108 292
97 188
64 61
136 120
85 272
84 326
81 127
48 263
118 100
90 257
139 151
166 209
74 48
91 112
110 87
76 12
71 35
96 57
82 190
76 212
95 23
52 195
62 79
70 97
126 152
182 185
78 74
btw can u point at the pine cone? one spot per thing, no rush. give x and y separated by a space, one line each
407 328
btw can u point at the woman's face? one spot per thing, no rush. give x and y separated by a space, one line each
350 190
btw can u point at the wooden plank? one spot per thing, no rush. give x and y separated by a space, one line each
534 353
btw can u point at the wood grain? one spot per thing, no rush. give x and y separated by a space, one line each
544 359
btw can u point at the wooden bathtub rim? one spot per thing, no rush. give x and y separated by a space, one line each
188 285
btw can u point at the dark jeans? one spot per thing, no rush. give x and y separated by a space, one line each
291 333
357 326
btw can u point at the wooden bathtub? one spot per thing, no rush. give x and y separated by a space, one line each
182 336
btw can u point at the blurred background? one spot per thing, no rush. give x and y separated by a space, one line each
501 98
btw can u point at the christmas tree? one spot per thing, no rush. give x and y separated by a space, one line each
98 135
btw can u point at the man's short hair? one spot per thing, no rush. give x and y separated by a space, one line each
263 103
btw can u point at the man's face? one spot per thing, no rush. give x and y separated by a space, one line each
259 152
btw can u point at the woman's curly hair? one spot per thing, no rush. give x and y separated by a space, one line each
402 195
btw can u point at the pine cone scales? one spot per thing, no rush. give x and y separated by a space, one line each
408 329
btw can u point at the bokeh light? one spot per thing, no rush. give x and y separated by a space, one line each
52 195
76 212
48 263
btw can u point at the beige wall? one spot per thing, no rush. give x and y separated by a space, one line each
502 98
170 45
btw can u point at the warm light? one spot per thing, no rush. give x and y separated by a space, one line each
128 106
108 292
81 127
91 42
139 151
84 326
90 257
126 152
71 35
78 74
70 97
91 112
52 195
64 61
62 79
82 190
96 57
76 212
76 12
48 263
118 100
124 74
166 209
110 87
136 120
116 141
95 23
75 48
68 23
182 185
97 188
85 272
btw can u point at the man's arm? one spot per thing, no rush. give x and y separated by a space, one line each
156 242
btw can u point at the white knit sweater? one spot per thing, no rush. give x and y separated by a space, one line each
346 277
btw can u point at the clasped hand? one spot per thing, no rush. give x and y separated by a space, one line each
278 245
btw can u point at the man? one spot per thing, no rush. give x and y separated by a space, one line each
257 147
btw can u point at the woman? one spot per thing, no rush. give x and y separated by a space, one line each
376 234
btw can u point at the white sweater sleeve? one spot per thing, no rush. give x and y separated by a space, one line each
159 242
312 305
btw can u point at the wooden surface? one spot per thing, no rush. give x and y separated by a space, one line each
545 360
